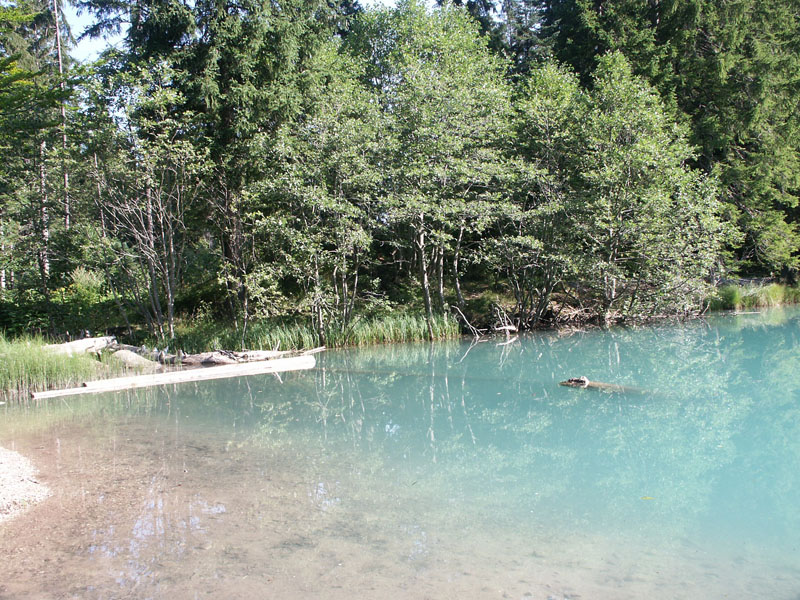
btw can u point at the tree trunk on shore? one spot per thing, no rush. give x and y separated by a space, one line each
423 271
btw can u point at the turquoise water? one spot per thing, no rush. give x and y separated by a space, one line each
448 470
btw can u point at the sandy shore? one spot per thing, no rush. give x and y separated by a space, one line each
19 488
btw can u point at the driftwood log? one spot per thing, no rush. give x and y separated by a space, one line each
92 345
135 361
583 382
277 365
210 359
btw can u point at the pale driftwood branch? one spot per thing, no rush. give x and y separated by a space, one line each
278 365
476 333
209 359
85 345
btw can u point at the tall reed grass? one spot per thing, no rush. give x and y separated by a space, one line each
27 366
275 334
746 297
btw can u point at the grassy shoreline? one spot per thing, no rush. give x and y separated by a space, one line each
746 297
26 366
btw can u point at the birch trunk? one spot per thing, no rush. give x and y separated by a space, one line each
423 268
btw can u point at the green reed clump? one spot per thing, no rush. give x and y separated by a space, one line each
27 366
391 328
272 335
292 334
745 297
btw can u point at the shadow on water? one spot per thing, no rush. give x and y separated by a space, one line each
437 470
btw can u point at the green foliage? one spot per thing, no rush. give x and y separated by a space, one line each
532 248
289 334
26 366
300 174
648 226
744 297
727 68
447 109
609 201
313 217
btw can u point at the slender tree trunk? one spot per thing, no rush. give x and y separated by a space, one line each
2 253
456 276
64 170
150 259
352 301
171 283
423 271
44 220
440 278
100 198
319 314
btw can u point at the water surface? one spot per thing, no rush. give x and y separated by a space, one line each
451 470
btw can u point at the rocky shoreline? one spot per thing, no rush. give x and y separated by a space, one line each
19 488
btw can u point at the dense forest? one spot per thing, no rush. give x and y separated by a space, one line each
317 161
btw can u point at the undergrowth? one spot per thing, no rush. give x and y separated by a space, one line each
283 334
746 297
27 366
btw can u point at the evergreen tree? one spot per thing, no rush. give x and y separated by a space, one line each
33 167
731 69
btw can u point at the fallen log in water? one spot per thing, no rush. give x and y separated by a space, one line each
278 365
583 382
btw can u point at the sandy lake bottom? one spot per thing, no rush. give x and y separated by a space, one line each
150 511
452 470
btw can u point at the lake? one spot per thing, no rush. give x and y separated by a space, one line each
452 470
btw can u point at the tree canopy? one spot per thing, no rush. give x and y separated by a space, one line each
526 161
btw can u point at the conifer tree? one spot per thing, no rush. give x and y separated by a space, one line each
730 68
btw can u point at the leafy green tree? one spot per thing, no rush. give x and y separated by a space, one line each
533 244
649 228
315 217
448 110
147 174
244 68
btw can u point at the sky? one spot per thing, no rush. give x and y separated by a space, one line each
89 49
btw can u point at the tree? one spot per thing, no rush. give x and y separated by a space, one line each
730 67
243 68
448 110
314 218
532 247
248 68
30 92
148 196
649 229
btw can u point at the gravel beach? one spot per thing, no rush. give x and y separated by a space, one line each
19 488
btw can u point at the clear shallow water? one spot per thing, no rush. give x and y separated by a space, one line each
446 470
